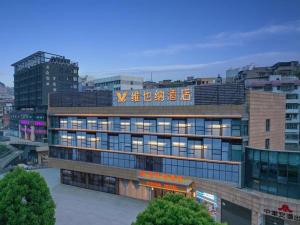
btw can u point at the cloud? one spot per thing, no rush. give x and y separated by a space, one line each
183 47
224 39
290 27
177 71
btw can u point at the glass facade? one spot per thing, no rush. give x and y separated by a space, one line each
90 181
274 172
189 126
153 144
221 171
195 138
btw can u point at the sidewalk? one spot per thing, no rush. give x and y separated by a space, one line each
78 206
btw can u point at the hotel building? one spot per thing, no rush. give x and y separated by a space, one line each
191 140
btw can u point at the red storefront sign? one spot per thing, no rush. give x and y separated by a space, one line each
285 208
283 212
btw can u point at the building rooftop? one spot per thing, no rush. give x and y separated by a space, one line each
38 58
118 77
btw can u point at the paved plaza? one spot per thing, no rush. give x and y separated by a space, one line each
78 206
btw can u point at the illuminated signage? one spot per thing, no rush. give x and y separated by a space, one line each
210 201
39 123
24 122
170 187
204 196
154 97
36 123
163 177
283 212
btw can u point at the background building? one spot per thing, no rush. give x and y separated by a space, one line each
6 105
85 84
183 83
286 69
282 77
34 78
120 82
39 74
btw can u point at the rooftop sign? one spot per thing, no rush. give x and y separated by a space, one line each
154 97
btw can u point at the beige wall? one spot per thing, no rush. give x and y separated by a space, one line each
262 106
253 200
133 189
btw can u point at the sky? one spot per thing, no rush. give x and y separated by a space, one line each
170 39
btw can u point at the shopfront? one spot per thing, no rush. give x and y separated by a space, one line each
210 201
161 183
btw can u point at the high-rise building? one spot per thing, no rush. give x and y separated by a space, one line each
38 75
191 140
35 77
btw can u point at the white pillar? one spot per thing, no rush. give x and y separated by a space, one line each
32 137
20 133
25 135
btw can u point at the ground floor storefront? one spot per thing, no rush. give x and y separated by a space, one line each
225 203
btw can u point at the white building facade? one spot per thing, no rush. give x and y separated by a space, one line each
121 83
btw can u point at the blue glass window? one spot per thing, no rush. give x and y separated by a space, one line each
102 141
212 127
178 126
236 127
103 124
113 142
137 144
81 139
179 146
164 125
125 125
226 127
195 149
125 142
92 123
149 125
91 140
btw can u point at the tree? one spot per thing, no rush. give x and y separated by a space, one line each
174 209
25 199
